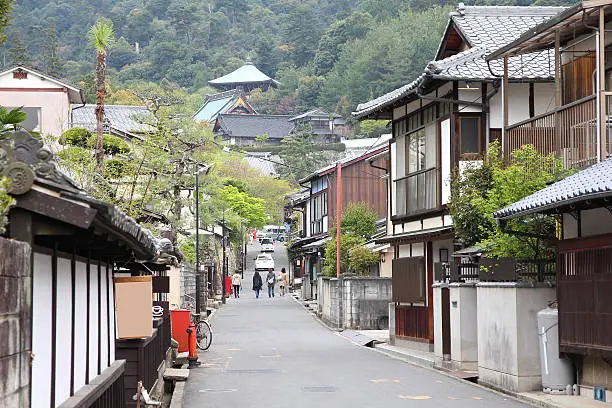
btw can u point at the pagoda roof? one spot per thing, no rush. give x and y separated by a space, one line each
248 74
219 103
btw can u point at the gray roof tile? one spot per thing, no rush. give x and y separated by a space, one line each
238 125
125 118
592 182
485 29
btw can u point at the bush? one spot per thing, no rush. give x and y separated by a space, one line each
116 169
76 136
361 259
112 144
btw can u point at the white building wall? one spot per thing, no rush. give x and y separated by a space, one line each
63 332
41 330
80 325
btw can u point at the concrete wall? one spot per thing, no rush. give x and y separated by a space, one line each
15 320
464 326
365 301
437 299
508 352
54 107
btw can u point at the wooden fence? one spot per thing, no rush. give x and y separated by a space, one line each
412 322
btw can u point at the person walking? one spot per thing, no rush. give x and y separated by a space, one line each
257 283
271 280
284 282
236 283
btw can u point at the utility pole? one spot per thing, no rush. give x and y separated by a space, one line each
338 242
224 267
197 243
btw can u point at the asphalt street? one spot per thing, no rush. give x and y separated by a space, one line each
273 353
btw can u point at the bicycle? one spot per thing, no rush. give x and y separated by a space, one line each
204 333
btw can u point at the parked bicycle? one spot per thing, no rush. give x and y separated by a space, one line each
204 333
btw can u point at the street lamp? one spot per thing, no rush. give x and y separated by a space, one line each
201 170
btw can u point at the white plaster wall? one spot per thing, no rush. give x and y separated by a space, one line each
508 357
432 222
596 222
472 96
518 105
544 97
404 251
80 325
55 106
113 320
41 330
448 220
436 245
63 341
464 327
570 227
174 297
104 319
386 269
445 157
437 300
308 232
412 226
93 322
325 221
418 249
391 186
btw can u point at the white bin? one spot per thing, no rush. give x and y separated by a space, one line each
557 373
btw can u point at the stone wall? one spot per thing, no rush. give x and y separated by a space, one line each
15 321
364 304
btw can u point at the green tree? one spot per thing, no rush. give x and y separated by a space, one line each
359 219
361 259
11 120
18 53
478 192
101 37
6 202
5 12
251 209
301 154
339 33
49 53
300 34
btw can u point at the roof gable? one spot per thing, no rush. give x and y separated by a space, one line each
223 102
32 79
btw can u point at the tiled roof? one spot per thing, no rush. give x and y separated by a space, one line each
485 29
246 74
75 93
215 104
261 162
125 118
590 183
315 112
238 125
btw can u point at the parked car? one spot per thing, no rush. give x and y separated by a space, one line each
280 237
267 245
264 262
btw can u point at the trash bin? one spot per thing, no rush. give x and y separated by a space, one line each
180 323
557 372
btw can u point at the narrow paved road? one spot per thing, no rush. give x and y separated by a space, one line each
273 353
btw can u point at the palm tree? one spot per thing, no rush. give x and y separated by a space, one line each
101 37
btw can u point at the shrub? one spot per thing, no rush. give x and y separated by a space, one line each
361 259
112 144
116 169
76 136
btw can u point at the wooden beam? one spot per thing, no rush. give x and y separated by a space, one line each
505 104
557 68
603 122
57 208
595 3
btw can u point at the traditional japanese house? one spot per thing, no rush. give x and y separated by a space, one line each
442 121
125 121
45 99
63 251
247 77
242 130
228 102
362 181
327 127
576 125
581 204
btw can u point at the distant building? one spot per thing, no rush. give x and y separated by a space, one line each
247 77
228 102
242 130
125 121
45 100
328 127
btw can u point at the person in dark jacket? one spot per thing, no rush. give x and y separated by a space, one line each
257 283
271 280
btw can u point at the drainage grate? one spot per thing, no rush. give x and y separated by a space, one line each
319 388
254 371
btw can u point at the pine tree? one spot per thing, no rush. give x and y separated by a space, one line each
18 53
49 53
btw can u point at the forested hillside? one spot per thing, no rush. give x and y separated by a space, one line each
331 53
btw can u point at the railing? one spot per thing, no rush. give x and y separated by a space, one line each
144 357
416 192
513 270
584 291
412 322
569 131
104 391
452 272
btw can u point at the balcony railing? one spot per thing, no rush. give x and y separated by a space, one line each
569 131
416 192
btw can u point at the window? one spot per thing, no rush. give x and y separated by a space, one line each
469 136
32 121
318 210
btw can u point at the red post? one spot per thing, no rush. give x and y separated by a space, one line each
193 347
338 214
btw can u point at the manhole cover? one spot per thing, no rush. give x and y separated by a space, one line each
319 388
254 371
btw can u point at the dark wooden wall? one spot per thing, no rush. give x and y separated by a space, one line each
360 182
